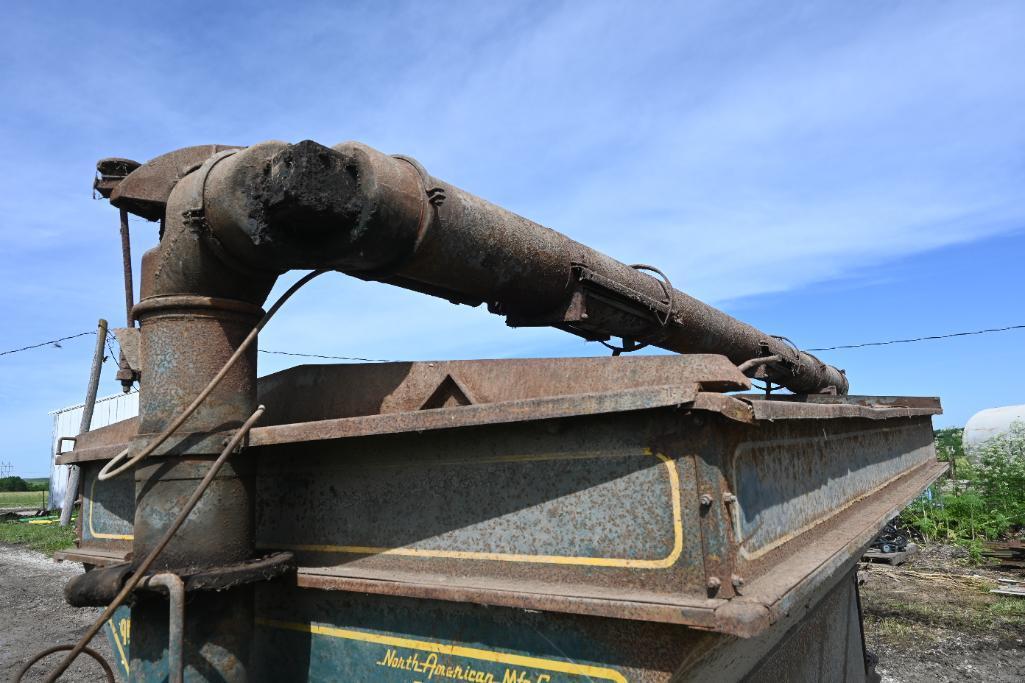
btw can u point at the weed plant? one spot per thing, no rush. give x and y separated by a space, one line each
986 502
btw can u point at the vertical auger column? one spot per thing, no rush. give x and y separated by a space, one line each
187 336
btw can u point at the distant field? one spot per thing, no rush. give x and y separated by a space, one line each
11 499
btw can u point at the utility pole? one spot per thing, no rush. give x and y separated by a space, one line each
87 417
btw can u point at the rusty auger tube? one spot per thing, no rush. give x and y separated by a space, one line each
275 206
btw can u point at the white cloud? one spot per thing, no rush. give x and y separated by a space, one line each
711 140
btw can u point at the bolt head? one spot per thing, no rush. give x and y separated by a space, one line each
738 581
705 500
713 583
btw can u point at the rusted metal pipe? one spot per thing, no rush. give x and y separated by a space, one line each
126 266
194 313
274 206
175 588
125 374
185 341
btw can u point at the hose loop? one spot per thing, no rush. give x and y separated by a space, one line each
108 672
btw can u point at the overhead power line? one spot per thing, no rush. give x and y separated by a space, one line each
383 360
918 339
317 355
47 343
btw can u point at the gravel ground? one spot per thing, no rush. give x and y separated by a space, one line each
34 616
934 619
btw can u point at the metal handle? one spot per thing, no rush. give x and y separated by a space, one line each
61 440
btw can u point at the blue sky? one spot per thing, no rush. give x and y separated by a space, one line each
835 172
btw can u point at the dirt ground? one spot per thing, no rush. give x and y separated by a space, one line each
34 616
934 619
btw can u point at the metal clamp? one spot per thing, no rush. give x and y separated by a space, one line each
194 211
433 197
194 215
796 366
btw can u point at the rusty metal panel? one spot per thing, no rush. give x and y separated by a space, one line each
105 522
822 406
588 503
511 507
794 477
567 515
310 393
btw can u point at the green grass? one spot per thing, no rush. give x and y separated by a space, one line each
1009 609
899 632
985 502
28 499
46 538
973 616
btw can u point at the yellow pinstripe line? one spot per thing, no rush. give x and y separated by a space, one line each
451 650
92 531
661 563
121 651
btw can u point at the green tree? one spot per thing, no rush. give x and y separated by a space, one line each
948 443
13 484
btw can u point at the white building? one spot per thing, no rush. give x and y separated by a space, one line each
67 421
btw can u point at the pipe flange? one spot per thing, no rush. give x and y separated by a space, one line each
98 587
193 305
250 571
433 197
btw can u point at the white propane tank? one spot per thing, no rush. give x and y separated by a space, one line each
986 424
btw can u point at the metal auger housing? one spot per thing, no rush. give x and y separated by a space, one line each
274 206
